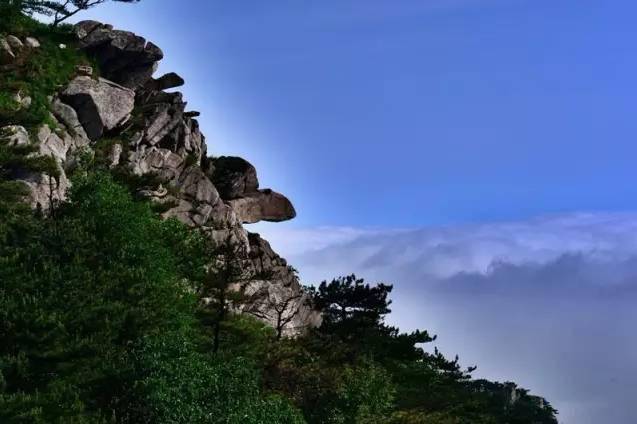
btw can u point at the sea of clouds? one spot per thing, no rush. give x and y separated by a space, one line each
547 302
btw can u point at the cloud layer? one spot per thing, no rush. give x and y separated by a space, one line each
547 302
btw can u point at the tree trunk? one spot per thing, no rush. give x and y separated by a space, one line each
279 327
221 315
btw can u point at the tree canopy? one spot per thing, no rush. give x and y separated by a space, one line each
98 323
59 10
109 314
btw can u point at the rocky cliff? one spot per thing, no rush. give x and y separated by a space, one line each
149 134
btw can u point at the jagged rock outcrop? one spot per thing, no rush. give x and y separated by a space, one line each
66 115
124 58
101 105
60 143
44 189
11 47
165 82
233 176
263 205
237 182
152 135
284 300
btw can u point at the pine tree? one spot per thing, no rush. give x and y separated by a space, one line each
59 10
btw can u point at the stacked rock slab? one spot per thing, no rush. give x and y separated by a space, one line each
101 105
164 140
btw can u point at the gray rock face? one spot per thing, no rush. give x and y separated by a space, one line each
68 117
278 293
264 205
101 105
124 57
153 160
11 47
115 155
84 28
14 135
233 176
44 190
216 195
165 82
166 125
196 186
6 54
15 43
31 43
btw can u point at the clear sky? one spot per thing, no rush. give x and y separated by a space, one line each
480 154
415 112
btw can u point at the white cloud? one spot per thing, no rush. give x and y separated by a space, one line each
547 302
297 241
441 252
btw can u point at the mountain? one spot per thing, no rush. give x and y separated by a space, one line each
130 292
147 133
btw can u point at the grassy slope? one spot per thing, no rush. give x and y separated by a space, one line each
39 73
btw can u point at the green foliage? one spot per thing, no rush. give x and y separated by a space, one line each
353 321
327 392
366 395
16 161
356 369
37 74
95 281
349 297
12 16
224 270
101 322
245 336
183 386
191 160
59 10
98 322
110 315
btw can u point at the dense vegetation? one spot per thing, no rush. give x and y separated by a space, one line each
37 75
101 319
58 10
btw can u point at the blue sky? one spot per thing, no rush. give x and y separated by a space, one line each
480 154
415 112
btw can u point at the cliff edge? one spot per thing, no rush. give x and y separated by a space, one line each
147 133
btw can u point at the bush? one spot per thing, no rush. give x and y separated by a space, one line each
39 74
99 325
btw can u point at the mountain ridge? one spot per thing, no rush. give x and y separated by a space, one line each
152 136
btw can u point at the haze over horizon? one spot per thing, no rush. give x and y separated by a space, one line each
476 153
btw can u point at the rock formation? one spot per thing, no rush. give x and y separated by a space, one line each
155 136
101 105
11 47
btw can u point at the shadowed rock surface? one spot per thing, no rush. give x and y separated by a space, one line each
165 82
233 176
101 105
124 57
